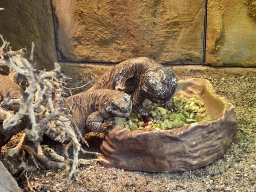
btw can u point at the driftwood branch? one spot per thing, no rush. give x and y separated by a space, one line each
41 105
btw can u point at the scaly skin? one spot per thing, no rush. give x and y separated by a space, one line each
11 89
142 77
94 109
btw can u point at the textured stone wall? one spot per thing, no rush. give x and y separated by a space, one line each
25 21
112 31
231 33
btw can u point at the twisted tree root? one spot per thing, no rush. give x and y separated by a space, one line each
44 160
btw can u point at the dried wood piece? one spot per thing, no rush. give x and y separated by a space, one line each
40 111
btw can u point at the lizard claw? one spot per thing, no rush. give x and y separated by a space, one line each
107 126
170 106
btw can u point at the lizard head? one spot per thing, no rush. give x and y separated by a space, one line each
117 104
158 85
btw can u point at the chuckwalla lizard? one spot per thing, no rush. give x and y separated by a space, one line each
144 77
10 89
94 110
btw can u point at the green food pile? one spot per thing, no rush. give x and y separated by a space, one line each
183 111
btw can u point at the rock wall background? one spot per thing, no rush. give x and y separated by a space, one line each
109 31
231 33
25 21
112 31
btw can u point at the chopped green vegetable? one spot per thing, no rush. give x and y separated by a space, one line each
180 117
209 117
184 111
202 110
140 123
153 113
169 124
162 110
163 125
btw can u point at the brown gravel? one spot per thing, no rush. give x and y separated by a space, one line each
235 171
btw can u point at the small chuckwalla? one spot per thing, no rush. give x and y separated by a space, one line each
142 77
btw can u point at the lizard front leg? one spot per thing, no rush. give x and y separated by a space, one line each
137 103
169 104
95 122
